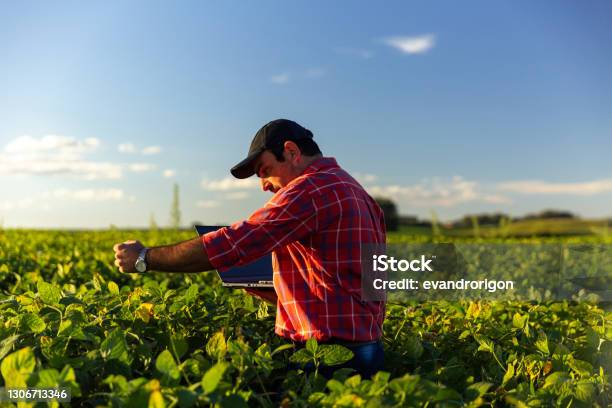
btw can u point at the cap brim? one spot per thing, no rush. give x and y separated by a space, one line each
245 168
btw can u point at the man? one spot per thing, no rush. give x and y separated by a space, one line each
314 226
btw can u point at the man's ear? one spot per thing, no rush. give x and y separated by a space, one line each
292 150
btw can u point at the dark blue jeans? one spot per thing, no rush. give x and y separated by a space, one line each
367 360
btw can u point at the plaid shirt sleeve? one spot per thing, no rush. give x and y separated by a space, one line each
287 217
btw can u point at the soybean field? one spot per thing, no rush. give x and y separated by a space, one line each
69 319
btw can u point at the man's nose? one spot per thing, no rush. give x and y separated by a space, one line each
264 185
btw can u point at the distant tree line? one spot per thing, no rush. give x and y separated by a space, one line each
550 214
498 218
394 220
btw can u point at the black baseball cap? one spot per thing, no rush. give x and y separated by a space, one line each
272 134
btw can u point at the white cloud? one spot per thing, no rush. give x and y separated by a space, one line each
280 79
356 52
543 187
365 178
229 183
66 146
412 45
238 195
126 148
207 204
151 150
55 155
141 167
315 72
6 206
169 173
41 200
90 194
311 73
79 169
437 192
129 147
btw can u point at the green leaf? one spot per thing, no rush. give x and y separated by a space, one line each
156 400
49 293
311 345
33 323
353 382
335 386
302 356
68 328
560 350
67 374
413 347
556 379
113 288
282 348
316 398
48 378
519 321
213 376
477 390
584 368
335 354
166 365
179 345
153 288
592 338
542 343
465 334
485 343
67 378
7 344
262 311
168 294
446 394
191 294
216 346
381 377
116 383
17 367
193 367
509 374
114 347
584 391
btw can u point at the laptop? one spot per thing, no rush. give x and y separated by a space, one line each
257 274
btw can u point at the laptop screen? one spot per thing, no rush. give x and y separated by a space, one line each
254 272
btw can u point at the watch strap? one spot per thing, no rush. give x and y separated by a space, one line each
142 258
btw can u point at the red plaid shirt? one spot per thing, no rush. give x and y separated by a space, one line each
314 227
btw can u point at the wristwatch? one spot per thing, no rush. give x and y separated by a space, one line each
141 261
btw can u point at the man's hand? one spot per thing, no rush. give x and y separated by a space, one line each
126 254
186 256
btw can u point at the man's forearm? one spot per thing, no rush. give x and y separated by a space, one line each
186 256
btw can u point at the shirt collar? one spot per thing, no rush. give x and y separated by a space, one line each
320 164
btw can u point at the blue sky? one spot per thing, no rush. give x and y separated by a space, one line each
452 107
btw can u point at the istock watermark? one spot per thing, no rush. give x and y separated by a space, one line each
403 272
384 263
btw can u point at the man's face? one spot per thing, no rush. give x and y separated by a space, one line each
274 174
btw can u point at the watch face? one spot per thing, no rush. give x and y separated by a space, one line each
140 265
